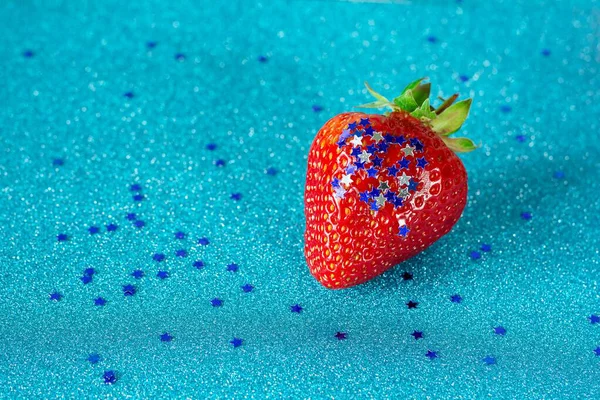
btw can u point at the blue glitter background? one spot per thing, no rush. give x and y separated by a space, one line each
98 96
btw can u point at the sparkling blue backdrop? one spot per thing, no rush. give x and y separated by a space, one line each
135 129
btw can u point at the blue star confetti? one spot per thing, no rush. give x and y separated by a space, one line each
110 377
166 337
94 358
499 330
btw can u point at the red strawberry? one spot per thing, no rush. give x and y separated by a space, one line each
382 188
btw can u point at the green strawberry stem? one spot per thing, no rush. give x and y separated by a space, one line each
444 120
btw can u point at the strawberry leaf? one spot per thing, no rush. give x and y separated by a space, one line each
460 145
406 101
412 85
375 104
375 94
451 119
424 111
421 92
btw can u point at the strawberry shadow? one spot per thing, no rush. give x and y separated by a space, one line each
493 214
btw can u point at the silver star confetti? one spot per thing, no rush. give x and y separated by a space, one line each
408 150
377 137
356 141
346 180
383 186
404 179
364 156
380 200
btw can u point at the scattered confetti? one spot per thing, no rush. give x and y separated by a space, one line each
110 377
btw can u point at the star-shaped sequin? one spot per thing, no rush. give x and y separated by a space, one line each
236 196
198 264
99 301
403 193
346 180
55 296
247 288
352 126
139 224
110 377
129 290
93 230
499 330
111 227
138 274
455 298
412 185
166 337
364 196
236 342
296 308
404 179
407 276
489 360
371 172
364 156
377 161
365 122
422 162
181 253
393 170
94 358
158 257
416 143
383 185
597 351
62 237
383 147
369 131
233 267
486 247
380 200
417 335
594 319
162 274
408 150
356 141
412 304
431 354
216 302
203 241
398 201
373 206
377 137
374 192
341 335
404 163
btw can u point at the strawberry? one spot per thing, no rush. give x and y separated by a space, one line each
382 188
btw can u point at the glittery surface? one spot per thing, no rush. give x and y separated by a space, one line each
210 107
